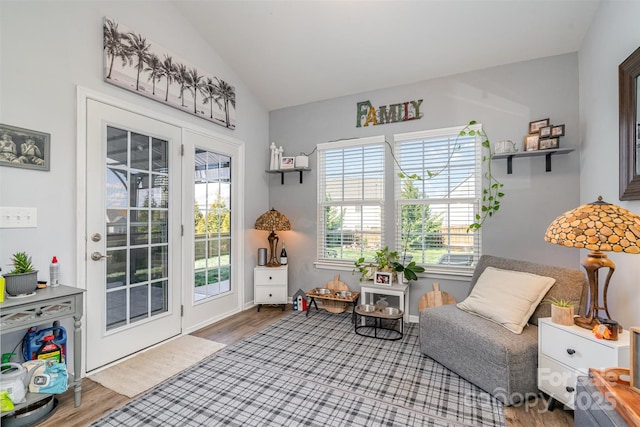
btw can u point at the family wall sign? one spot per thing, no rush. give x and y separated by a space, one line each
402 112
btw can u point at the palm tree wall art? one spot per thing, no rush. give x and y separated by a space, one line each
132 62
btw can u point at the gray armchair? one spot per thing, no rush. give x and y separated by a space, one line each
486 354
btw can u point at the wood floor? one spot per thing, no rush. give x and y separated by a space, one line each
97 400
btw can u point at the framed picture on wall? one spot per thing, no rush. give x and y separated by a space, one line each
24 148
531 142
548 143
545 132
534 127
557 130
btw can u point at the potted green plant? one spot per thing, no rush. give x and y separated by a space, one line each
23 279
562 310
387 260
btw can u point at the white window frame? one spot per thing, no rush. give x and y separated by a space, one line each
475 200
322 261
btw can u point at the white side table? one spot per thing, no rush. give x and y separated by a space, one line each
270 285
369 289
566 352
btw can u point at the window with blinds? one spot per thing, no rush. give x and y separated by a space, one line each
350 199
434 213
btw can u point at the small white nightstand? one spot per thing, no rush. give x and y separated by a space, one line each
369 289
270 285
566 352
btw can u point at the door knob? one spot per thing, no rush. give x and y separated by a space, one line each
97 256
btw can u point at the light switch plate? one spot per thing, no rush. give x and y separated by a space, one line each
18 217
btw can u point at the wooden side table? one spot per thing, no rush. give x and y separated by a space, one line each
369 289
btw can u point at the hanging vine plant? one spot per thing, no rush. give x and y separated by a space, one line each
492 190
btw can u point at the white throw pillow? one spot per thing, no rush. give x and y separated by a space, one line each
507 297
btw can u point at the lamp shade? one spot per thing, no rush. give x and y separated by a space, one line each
272 220
597 226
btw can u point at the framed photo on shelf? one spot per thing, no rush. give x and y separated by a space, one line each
545 132
531 142
557 130
548 143
383 278
24 148
534 127
287 162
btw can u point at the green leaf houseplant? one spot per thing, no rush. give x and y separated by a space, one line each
23 279
387 260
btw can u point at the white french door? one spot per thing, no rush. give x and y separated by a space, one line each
211 186
133 227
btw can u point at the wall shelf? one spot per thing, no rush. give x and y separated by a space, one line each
283 171
546 153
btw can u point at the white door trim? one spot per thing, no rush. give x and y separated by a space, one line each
82 96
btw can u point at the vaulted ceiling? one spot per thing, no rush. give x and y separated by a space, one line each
295 52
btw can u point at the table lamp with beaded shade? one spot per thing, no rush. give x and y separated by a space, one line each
273 221
599 227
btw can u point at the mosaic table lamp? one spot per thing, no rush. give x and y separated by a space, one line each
273 221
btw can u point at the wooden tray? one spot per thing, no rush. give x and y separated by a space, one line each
618 392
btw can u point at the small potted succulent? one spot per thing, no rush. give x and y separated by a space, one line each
562 311
23 279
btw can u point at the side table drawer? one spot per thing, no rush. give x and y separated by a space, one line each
276 294
270 277
557 381
574 351
45 311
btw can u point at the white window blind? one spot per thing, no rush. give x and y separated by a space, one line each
434 213
350 199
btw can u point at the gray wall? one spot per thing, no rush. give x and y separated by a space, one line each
612 37
504 100
48 48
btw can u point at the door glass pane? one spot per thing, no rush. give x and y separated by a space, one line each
137 227
139 151
212 223
139 303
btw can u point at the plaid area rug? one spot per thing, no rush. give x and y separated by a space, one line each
314 371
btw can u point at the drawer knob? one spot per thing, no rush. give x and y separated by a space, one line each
270 278
270 295
571 351
39 313
570 389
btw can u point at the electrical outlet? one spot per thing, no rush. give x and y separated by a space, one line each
18 217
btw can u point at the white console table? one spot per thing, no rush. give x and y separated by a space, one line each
45 306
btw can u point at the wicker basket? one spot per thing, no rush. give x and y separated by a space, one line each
20 284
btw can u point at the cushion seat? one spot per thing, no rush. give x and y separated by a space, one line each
487 354
498 361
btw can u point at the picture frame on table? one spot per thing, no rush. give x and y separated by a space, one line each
557 131
549 143
535 126
531 142
24 148
287 163
383 278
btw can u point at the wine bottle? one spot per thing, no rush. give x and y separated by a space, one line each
283 255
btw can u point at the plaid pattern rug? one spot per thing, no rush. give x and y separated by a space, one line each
314 371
